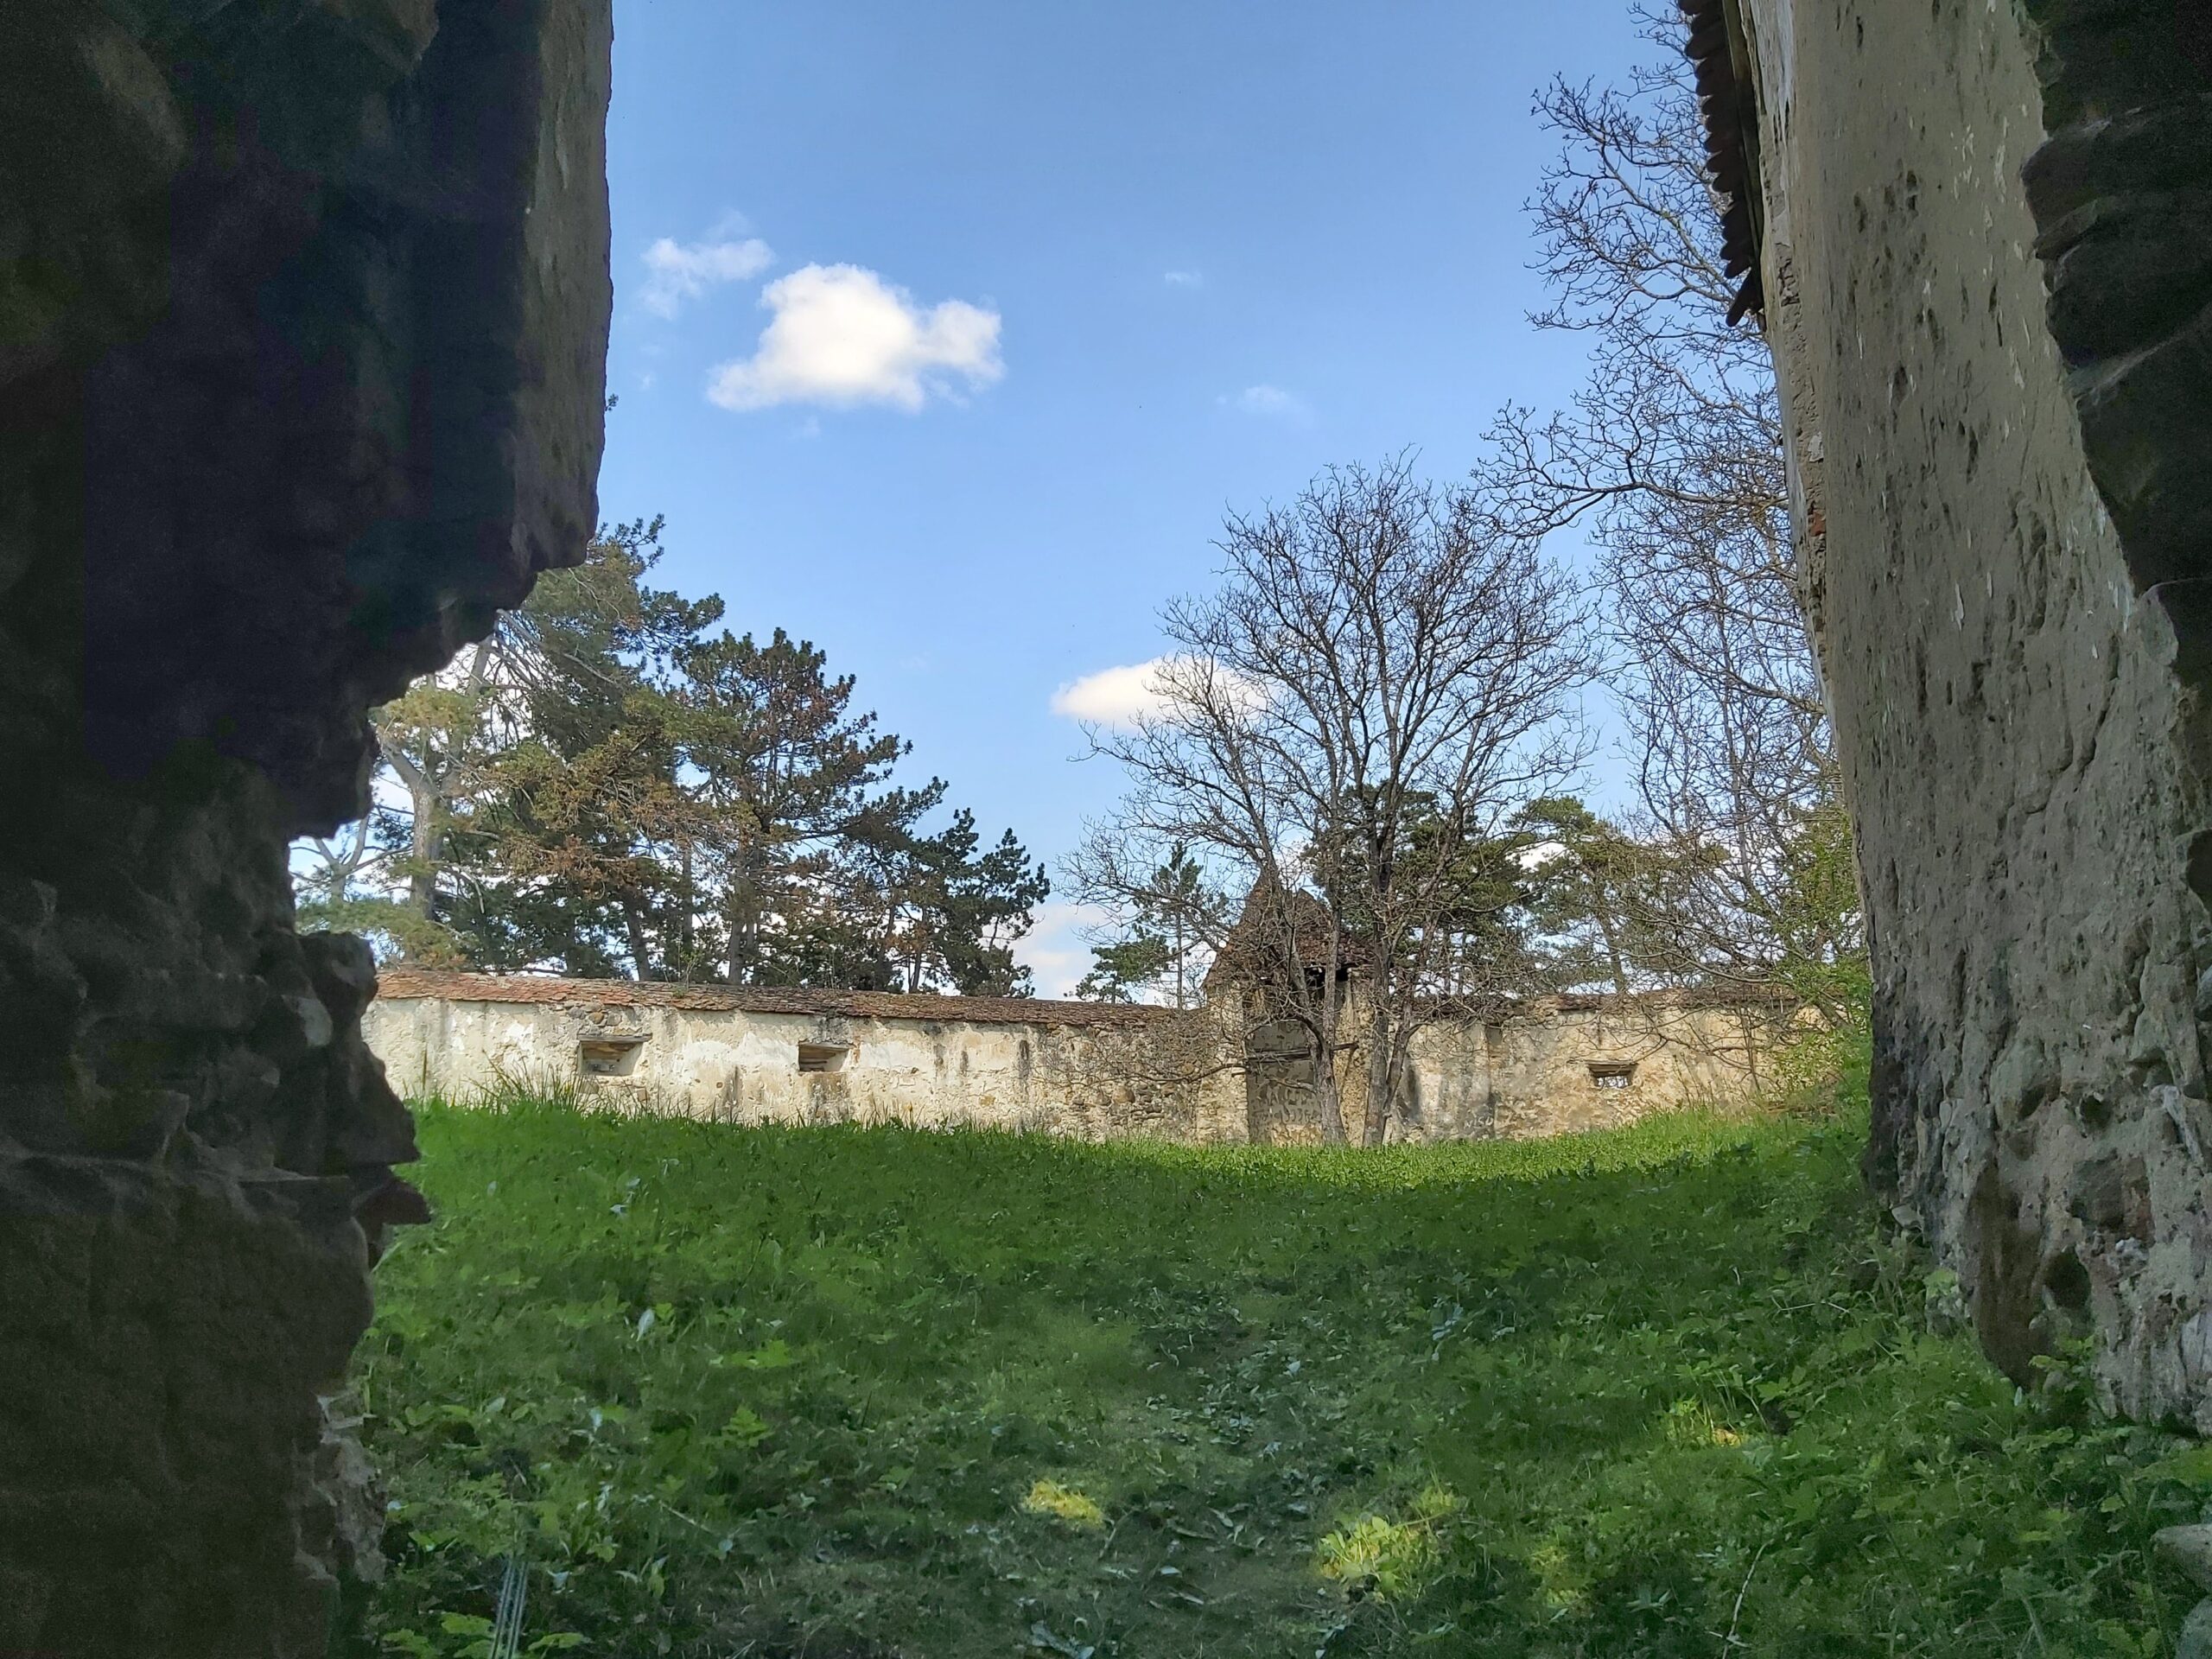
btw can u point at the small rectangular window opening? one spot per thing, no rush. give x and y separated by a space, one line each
609 1056
821 1057
1612 1074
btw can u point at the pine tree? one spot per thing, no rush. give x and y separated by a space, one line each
605 788
788 772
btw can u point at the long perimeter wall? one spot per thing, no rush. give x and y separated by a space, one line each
1086 1070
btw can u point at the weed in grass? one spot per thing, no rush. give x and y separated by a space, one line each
1063 1503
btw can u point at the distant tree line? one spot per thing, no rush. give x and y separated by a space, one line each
612 785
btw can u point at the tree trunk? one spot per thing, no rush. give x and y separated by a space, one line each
1327 1104
423 840
686 923
1604 911
422 853
1328 1100
741 899
1378 1077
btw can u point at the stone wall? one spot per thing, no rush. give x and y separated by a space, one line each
1085 1070
1082 1069
1551 1065
302 320
1988 288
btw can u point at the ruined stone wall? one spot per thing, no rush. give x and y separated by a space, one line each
1055 1068
1551 1066
1996 390
1093 1081
302 322
1589 1064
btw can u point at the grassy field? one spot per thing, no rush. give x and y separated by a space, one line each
854 1394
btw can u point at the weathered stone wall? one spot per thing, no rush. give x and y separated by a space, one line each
2009 617
1554 1065
1569 1065
1075 1069
302 323
1078 1070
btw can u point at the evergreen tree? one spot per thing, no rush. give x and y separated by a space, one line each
788 771
579 840
1589 886
964 910
1123 970
1178 919
605 788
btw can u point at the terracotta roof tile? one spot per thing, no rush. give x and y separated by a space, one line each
1725 103
398 985
1670 999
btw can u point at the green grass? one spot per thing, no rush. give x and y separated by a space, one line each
853 1394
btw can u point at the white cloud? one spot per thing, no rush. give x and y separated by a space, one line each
1544 853
1184 278
1114 696
676 272
1121 697
1271 402
842 335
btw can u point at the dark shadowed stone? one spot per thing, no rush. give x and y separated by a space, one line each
2122 196
304 312
2188 1549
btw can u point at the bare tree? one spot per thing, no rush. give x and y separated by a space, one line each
1671 459
1379 681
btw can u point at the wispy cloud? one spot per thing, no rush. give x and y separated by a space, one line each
841 335
1269 403
1184 278
679 271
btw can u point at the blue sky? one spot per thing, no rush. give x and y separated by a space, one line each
944 334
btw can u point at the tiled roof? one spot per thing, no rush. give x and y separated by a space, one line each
398 985
1253 950
1726 100
546 990
1666 999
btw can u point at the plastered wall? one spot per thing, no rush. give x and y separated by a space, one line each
1553 1066
1553 1070
744 1067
